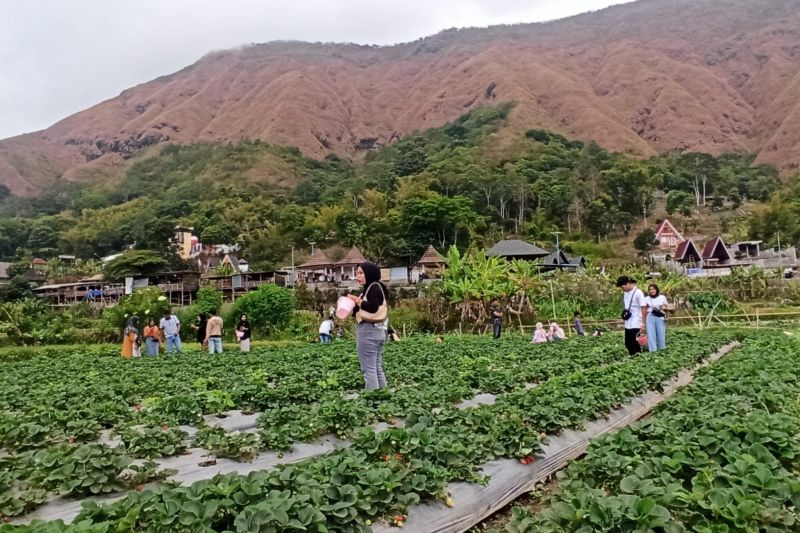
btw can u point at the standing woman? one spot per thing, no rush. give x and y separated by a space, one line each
200 329
372 316
243 332
152 337
131 342
656 318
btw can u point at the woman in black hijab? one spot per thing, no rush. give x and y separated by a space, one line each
371 314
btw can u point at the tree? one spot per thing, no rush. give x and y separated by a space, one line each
17 289
645 241
208 299
135 262
679 202
267 308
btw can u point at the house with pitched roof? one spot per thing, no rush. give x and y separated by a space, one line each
318 268
667 236
347 266
716 254
687 254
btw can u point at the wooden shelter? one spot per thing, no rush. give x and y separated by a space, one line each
516 249
430 264
349 264
317 268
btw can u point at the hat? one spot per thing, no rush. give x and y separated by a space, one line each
624 280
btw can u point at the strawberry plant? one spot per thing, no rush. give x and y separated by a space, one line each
232 445
149 442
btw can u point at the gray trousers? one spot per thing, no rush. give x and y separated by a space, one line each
369 345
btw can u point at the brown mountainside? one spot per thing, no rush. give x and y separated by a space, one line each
645 77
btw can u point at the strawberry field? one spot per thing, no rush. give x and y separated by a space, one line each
723 455
78 424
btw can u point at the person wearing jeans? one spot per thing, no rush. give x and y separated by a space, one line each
370 339
656 319
370 335
171 328
214 333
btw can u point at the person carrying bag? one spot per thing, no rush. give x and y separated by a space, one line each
371 313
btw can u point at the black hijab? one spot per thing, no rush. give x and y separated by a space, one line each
372 274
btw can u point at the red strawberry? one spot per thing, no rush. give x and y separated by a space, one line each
138 488
138 407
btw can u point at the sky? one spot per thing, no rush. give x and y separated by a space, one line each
58 57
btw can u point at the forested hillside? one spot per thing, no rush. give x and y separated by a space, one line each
454 185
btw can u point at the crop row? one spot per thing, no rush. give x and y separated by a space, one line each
382 474
722 455
51 448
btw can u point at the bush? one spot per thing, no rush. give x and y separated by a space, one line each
208 299
268 308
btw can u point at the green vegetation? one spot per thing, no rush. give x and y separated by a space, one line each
53 405
466 183
721 455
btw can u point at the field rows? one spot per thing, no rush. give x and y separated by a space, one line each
723 455
403 465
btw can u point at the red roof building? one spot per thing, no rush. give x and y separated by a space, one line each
317 268
687 253
716 253
668 237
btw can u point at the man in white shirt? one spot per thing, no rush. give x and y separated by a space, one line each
325 330
171 328
634 312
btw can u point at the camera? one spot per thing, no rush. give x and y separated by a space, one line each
626 314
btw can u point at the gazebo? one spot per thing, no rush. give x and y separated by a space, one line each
430 262
349 264
318 266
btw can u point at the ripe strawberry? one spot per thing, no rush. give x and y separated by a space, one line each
138 407
139 488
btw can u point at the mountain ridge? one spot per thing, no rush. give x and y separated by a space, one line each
641 78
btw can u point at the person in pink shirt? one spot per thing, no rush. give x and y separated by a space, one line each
539 335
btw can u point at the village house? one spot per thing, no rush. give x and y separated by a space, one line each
667 236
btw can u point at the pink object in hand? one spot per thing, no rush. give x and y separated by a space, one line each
344 307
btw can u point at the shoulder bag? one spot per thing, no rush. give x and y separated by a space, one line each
378 316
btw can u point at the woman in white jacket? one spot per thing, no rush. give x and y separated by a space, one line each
656 318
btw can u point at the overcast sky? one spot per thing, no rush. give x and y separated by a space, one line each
60 56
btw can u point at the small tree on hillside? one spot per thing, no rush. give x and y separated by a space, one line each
645 241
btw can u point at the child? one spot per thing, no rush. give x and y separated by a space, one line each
540 335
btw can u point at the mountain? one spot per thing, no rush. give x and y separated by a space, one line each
642 78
